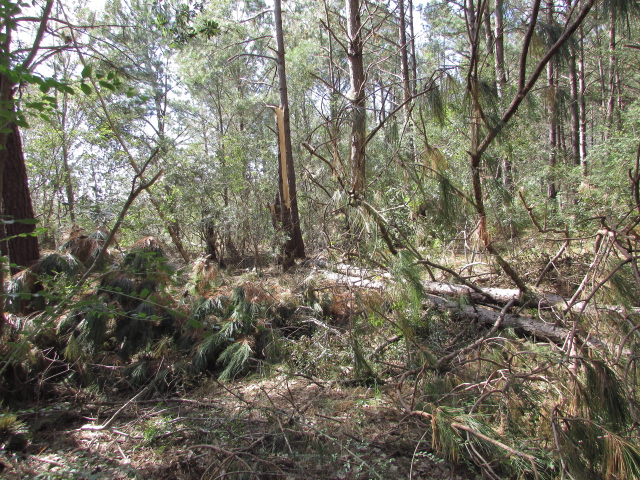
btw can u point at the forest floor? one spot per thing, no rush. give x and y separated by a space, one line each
302 418
277 427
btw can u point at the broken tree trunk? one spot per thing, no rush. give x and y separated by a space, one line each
530 326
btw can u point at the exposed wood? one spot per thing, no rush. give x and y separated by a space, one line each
356 96
531 326
283 157
289 216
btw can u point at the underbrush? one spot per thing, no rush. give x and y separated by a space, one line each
504 403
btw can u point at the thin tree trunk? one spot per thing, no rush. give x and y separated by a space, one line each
501 79
412 50
356 96
611 100
551 96
406 76
68 180
574 108
498 48
582 107
294 245
488 31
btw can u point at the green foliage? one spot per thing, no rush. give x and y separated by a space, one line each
235 359
53 264
603 396
135 330
93 327
207 353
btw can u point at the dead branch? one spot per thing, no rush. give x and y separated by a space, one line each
531 326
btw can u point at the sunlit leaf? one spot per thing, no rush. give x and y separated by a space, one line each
86 71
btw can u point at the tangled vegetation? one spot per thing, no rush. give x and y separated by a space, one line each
411 253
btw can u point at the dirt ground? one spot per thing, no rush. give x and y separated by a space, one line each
281 427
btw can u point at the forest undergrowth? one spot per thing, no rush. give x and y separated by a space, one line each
328 371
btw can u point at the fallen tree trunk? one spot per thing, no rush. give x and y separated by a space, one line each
501 296
482 315
531 326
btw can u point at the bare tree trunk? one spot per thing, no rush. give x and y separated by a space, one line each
334 93
551 95
356 96
611 100
16 199
574 108
412 49
406 75
582 107
501 79
294 245
68 180
488 31
12 166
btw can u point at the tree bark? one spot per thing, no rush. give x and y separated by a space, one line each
412 49
551 97
574 108
294 245
611 100
406 75
528 325
356 97
12 166
498 38
22 251
68 179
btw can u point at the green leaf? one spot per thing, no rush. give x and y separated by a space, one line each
28 221
86 71
40 106
107 85
21 122
193 323
44 88
86 89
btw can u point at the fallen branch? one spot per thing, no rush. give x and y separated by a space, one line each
532 459
494 328
107 424
531 326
